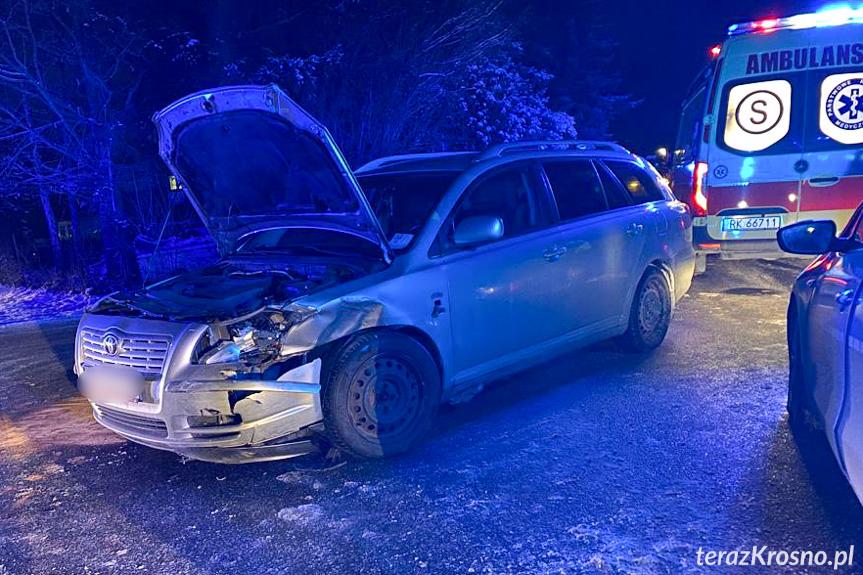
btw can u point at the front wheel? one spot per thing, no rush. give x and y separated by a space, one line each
382 392
650 315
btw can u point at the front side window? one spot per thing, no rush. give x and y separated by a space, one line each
640 185
854 227
509 195
403 202
576 188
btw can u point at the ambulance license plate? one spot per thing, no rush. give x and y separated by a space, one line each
742 224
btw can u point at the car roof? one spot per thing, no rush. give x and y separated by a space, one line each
460 161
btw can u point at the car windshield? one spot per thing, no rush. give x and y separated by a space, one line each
403 202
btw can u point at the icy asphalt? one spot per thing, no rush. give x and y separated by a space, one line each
599 462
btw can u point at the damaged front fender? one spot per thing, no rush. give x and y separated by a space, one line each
320 327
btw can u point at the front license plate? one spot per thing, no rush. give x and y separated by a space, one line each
738 224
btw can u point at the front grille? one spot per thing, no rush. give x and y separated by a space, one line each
133 422
145 353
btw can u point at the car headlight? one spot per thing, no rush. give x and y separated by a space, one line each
253 340
229 352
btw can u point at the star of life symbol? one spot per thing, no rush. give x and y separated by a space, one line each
845 104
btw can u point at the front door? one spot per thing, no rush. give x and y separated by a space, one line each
503 294
830 311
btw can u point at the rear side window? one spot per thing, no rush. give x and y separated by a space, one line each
637 182
576 188
614 192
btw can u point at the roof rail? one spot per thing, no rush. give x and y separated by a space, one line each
539 145
390 160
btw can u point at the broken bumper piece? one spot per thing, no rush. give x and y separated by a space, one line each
226 421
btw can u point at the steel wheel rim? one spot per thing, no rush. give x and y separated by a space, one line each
653 308
384 397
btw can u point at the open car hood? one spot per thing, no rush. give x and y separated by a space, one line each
249 158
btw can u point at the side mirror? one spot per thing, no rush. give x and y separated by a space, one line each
809 237
477 230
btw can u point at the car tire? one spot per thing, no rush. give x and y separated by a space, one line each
382 391
650 315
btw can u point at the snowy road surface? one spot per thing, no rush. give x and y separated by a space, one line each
599 462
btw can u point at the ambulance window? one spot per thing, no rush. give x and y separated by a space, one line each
764 117
690 128
838 122
758 115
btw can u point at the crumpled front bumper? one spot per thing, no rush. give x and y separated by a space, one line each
226 420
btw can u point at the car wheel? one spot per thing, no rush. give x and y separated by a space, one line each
382 392
650 315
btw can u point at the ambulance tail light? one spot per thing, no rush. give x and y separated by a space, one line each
699 199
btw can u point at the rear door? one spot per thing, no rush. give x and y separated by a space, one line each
757 137
647 220
602 235
833 130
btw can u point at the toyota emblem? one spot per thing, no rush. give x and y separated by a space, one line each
111 344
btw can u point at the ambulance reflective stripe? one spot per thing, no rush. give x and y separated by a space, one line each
845 194
841 115
842 196
758 115
767 194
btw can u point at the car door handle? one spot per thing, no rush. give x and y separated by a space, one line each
844 298
823 181
634 229
554 253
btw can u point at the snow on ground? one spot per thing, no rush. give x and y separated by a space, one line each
598 462
19 304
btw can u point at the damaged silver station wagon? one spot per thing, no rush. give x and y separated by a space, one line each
347 306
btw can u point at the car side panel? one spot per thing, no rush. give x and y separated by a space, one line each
849 427
409 296
828 315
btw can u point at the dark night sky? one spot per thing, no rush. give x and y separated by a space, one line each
663 45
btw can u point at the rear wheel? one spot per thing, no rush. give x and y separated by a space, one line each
381 394
650 315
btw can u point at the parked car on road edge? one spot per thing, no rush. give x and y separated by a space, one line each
347 306
825 338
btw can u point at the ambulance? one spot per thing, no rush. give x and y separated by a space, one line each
771 132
